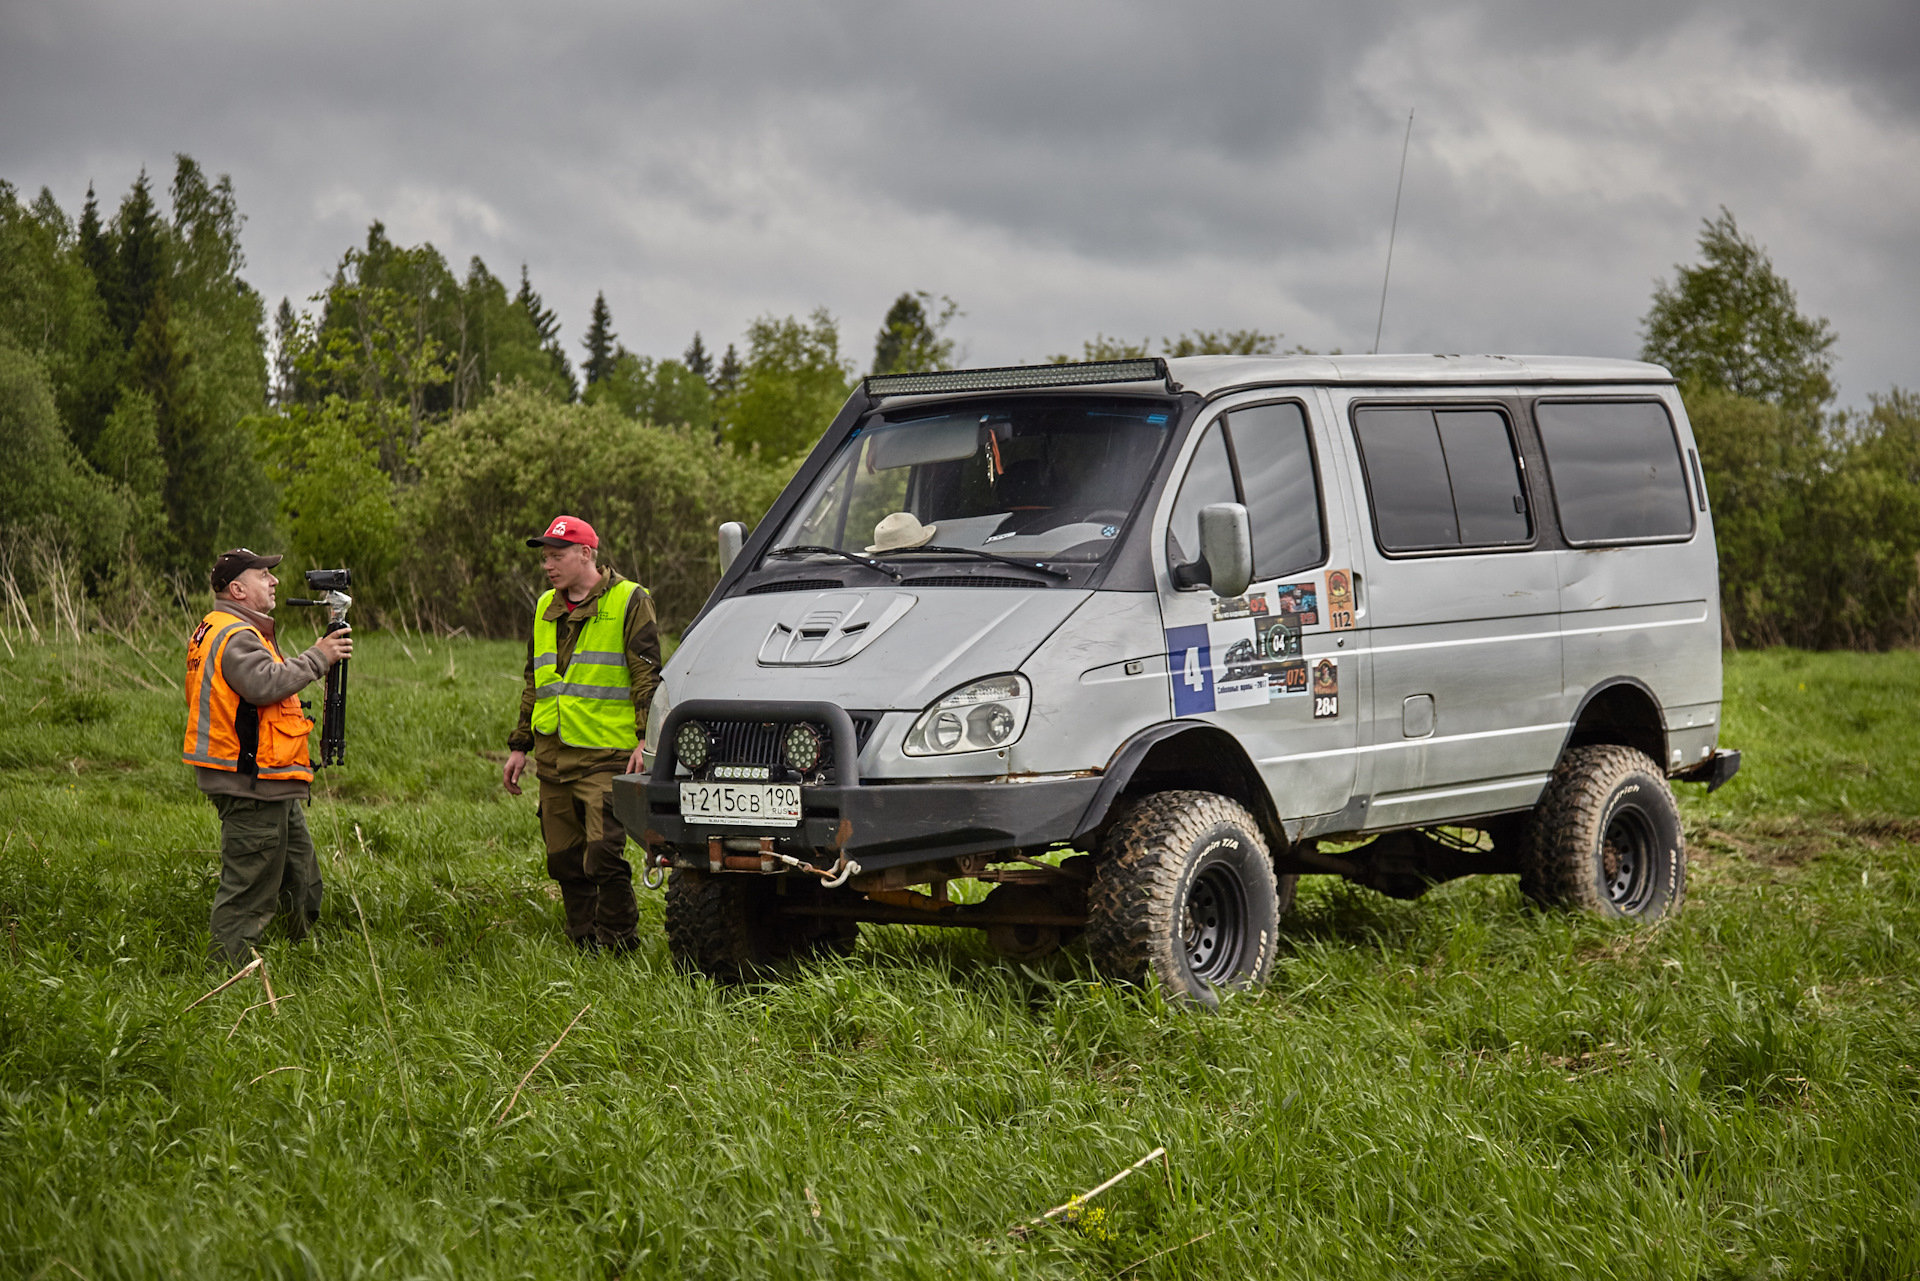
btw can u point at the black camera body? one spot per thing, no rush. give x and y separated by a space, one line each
329 580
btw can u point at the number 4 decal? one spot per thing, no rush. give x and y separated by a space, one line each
1190 661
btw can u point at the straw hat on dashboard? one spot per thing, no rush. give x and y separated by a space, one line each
900 531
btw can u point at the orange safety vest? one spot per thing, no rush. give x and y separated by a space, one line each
225 731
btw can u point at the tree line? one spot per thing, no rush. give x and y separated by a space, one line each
414 421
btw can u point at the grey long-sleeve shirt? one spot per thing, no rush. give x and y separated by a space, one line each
249 667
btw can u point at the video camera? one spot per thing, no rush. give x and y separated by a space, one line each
332 584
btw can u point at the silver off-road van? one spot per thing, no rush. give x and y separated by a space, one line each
1214 623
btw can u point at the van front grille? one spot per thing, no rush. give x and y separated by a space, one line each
759 742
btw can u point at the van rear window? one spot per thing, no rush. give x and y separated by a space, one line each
1616 470
1442 479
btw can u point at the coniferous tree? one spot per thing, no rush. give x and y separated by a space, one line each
727 377
547 324
139 260
599 342
286 336
96 251
698 360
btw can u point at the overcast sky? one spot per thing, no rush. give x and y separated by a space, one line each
1058 169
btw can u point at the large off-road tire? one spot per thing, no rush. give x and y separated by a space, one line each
1606 838
1185 891
728 925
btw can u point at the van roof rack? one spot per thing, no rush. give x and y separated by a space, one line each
1084 373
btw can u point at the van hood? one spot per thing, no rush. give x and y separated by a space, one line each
880 649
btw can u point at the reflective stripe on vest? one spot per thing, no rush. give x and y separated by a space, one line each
591 703
213 707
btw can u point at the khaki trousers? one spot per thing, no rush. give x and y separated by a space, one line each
266 862
586 854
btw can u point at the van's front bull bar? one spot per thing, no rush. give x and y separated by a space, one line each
878 824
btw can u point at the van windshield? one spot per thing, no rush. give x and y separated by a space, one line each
1049 478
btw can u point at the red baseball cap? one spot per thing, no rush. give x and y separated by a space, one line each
566 530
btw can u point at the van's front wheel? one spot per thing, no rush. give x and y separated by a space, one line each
1185 891
1606 838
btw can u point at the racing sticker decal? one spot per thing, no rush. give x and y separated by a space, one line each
1340 600
1299 602
1215 667
1253 603
1326 687
1277 643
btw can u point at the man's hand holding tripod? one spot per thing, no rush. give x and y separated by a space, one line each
337 646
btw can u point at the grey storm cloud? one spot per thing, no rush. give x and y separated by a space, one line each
1059 169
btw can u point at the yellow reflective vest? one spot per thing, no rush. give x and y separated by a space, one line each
591 703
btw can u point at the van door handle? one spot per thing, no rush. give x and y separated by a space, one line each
1359 596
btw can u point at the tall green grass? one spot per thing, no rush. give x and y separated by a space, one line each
1456 1087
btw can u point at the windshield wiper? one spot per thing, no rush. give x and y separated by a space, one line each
1038 566
811 549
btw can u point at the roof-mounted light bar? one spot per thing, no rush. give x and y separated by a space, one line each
1087 373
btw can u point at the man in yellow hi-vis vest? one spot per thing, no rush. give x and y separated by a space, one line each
593 663
247 742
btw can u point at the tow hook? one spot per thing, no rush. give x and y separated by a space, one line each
830 878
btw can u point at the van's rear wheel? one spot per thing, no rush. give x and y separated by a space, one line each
729 925
1185 891
1606 838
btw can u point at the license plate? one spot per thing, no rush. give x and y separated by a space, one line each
760 804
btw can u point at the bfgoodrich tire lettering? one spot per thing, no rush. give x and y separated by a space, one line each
1185 892
1606 838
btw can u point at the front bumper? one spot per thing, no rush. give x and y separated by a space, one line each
879 824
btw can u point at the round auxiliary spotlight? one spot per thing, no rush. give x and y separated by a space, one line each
802 747
692 744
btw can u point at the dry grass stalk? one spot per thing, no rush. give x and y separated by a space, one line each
243 1015
501 1119
275 1071
245 970
1169 1250
1021 1230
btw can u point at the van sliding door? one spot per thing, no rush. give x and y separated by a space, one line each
1462 605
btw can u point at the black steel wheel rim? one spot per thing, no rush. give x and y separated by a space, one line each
1213 924
1627 859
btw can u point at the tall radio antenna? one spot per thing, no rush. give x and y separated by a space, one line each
1393 231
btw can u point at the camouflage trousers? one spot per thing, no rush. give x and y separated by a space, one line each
267 863
586 854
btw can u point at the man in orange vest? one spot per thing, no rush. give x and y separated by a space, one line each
247 743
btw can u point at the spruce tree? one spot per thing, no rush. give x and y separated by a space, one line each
728 376
286 332
139 253
547 324
96 251
599 342
698 360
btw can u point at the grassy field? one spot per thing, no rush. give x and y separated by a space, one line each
1457 1087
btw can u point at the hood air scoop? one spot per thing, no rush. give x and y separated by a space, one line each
820 631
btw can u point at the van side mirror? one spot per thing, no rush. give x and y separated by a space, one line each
1226 551
733 535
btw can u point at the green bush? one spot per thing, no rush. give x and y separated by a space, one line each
494 476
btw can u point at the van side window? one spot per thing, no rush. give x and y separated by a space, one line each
1209 480
1442 479
1276 475
1616 470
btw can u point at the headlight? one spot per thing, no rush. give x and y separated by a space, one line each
974 718
691 744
